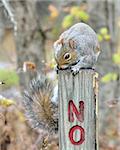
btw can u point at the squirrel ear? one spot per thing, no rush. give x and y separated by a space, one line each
60 41
72 44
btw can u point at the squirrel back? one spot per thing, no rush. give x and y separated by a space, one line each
40 111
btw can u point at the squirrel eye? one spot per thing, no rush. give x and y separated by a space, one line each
67 56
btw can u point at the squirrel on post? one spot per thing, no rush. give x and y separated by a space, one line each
76 48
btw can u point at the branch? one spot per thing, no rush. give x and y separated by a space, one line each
10 14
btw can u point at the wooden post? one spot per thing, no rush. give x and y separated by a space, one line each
78 110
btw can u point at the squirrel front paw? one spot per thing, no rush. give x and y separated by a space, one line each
75 70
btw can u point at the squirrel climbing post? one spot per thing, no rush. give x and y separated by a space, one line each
76 52
78 110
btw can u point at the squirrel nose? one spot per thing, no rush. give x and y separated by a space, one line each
62 67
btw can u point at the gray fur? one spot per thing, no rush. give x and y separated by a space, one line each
86 45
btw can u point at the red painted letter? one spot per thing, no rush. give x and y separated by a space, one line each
79 114
82 135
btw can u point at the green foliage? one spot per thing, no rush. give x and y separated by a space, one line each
76 14
82 15
104 31
79 14
103 34
100 38
6 102
107 37
116 58
9 77
74 10
67 21
109 77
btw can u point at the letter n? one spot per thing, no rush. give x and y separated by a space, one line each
73 110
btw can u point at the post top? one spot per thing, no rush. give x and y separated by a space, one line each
68 71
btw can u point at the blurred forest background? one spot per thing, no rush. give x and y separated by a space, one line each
28 29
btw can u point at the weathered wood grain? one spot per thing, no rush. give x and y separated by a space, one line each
82 86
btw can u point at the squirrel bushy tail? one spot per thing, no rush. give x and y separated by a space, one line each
40 111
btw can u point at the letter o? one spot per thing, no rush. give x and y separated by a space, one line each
82 135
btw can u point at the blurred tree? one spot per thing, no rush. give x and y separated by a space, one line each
30 35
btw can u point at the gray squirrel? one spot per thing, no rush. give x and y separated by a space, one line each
76 48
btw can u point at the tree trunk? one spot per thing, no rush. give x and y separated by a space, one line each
30 37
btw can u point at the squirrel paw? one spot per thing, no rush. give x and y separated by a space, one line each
75 70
